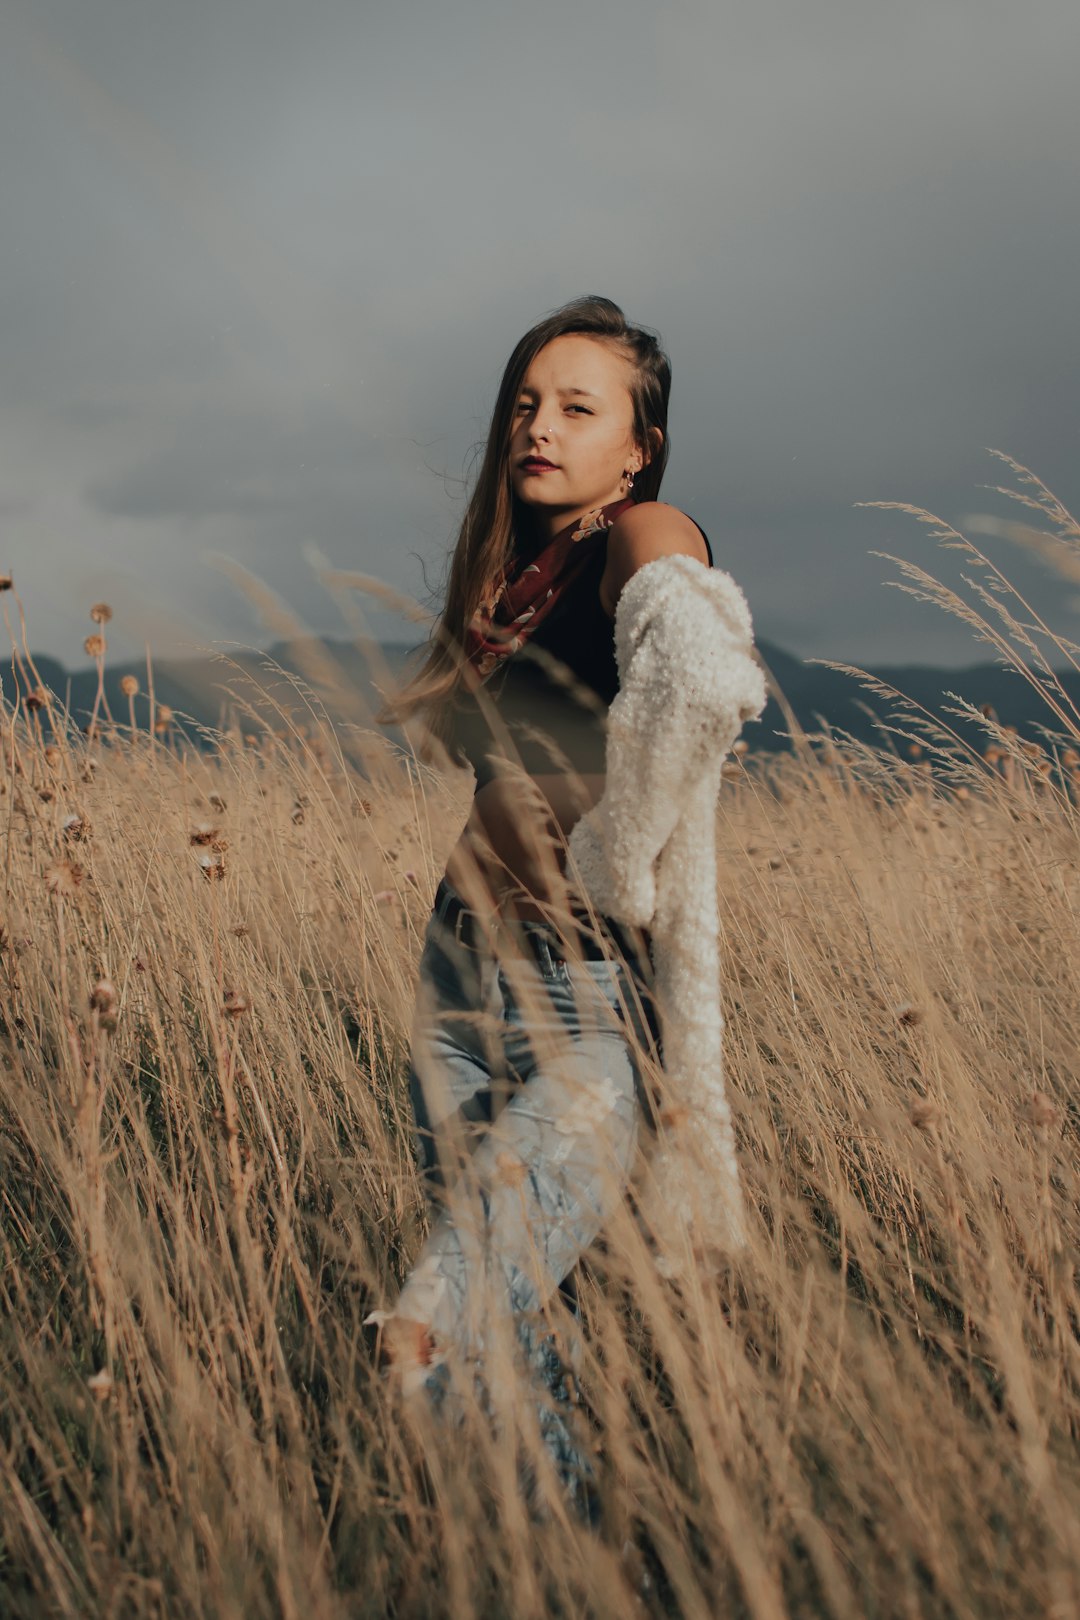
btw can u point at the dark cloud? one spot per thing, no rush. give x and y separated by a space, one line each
262 266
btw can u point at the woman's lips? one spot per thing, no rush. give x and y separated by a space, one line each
538 467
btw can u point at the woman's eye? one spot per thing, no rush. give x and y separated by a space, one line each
584 408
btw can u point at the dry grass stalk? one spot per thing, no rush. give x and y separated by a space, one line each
208 1184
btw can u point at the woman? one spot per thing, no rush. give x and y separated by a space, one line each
525 1011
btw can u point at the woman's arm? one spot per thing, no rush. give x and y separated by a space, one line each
639 534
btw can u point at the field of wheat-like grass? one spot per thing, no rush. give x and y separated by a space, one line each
207 1181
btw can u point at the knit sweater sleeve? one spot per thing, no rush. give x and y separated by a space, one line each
688 683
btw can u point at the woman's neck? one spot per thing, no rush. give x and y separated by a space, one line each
539 525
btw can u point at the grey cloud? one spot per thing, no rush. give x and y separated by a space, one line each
266 263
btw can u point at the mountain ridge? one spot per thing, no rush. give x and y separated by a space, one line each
197 688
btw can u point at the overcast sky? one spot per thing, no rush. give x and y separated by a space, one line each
262 263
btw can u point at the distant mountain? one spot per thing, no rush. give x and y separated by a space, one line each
219 691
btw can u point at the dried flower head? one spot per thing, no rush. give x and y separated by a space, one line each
101 1384
924 1114
37 699
236 1003
46 795
103 996
6 582
164 714
94 646
129 685
1042 1110
241 930
213 866
1070 759
203 833
907 1013
75 827
510 1171
101 612
63 877
52 754
217 803
361 807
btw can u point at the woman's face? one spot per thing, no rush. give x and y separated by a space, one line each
574 410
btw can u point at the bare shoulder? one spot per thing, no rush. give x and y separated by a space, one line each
643 532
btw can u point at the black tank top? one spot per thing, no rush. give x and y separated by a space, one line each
529 697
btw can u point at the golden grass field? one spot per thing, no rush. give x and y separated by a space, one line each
208 964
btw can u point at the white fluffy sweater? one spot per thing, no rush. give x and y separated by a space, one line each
646 854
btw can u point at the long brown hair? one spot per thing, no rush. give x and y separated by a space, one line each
486 540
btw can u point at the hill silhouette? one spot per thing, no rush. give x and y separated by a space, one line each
235 688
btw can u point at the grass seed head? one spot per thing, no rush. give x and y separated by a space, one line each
1042 1110
103 996
924 1114
63 877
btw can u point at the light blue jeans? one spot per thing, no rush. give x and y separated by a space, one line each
528 1100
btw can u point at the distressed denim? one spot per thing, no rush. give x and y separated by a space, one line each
528 1101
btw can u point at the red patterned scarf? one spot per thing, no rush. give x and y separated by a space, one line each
522 600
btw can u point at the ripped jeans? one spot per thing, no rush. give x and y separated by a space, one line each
528 1100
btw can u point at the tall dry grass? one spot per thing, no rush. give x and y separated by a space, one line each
208 963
